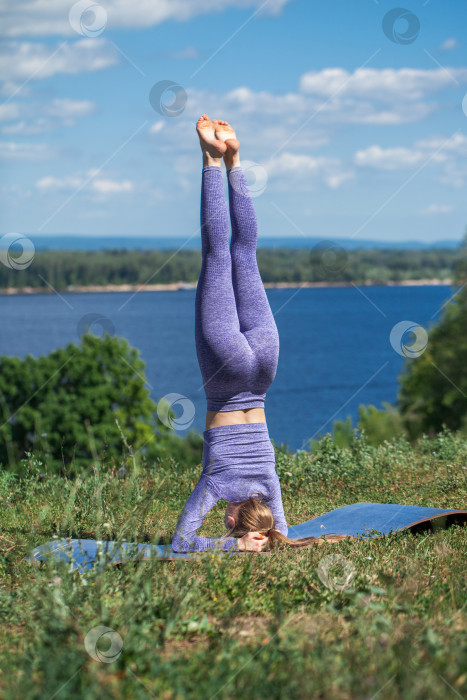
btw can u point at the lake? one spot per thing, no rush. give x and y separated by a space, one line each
335 349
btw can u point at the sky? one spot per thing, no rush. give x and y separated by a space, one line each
352 116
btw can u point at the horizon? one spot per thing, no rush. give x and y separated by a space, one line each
126 242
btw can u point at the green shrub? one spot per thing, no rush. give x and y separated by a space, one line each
378 425
433 386
83 403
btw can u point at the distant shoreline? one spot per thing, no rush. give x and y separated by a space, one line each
184 286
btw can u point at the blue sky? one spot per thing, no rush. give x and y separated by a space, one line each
346 131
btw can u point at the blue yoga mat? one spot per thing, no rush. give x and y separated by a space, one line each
361 520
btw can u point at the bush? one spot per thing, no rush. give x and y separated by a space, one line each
433 391
83 403
378 425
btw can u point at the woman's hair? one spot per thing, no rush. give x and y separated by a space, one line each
254 516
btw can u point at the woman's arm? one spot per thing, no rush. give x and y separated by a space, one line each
274 503
203 498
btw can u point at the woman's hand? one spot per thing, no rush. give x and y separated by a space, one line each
252 542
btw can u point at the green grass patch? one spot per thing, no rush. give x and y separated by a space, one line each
249 626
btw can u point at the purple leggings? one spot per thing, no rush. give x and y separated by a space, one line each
236 336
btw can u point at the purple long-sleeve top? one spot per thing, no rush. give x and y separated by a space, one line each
238 462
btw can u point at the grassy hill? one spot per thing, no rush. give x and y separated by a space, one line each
250 626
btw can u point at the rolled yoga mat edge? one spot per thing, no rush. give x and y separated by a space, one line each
370 519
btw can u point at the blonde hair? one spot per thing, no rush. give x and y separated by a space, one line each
254 516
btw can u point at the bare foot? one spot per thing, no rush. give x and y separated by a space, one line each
225 133
213 149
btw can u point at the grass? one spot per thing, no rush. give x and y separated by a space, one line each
249 626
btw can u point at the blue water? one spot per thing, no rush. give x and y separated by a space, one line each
335 352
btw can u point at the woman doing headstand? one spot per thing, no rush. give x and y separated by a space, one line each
237 345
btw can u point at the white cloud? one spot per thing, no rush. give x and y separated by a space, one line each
337 179
384 84
8 89
246 101
25 151
23 128
433 209
156 127
35 61
294 110
187 52
66 108
111 186
388 158
367 113
456 145
450 44
9 111
295 125
329 170
446 152
100 186
50 17
334 96
50 183
454 175
355 111
40 117
298 163
62 108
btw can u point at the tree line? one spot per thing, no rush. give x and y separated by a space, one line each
327 263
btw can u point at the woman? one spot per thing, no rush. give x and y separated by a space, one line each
237 346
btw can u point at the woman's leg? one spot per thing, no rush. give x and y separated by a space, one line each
225 357
253 310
